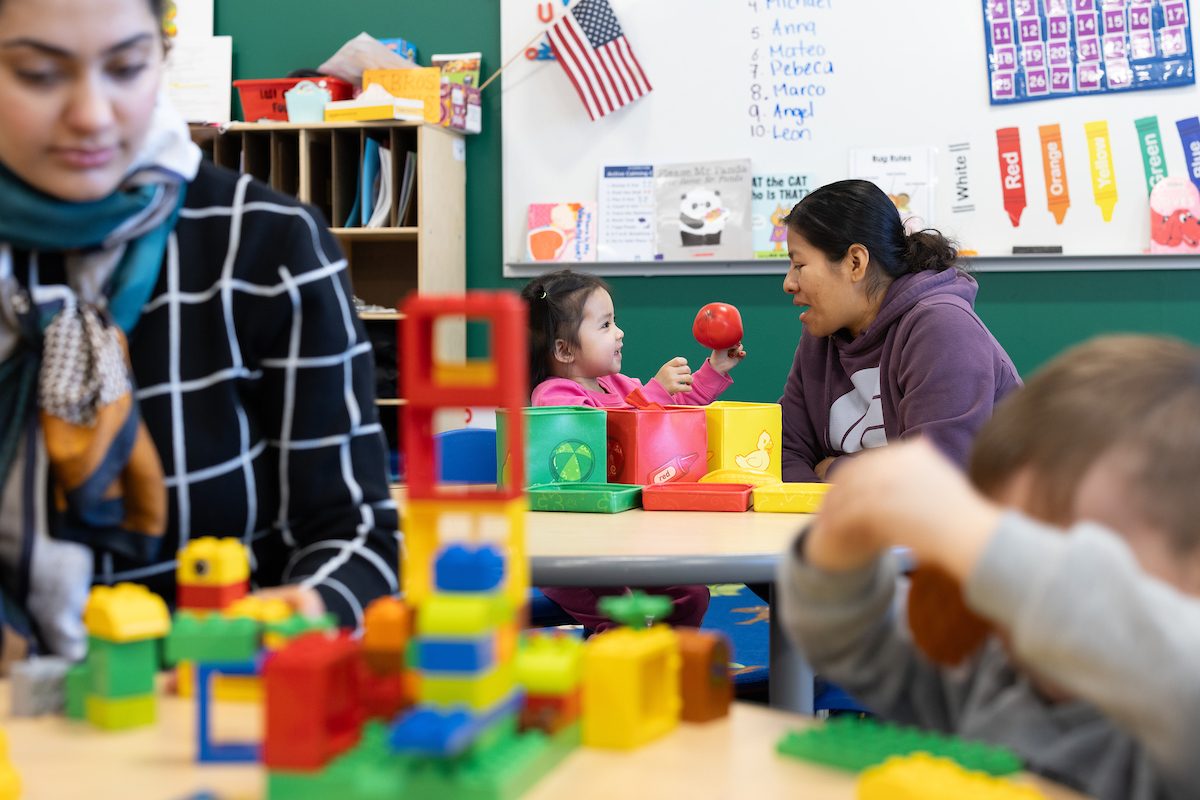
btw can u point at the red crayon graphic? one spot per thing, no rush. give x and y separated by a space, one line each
1012 173
673 470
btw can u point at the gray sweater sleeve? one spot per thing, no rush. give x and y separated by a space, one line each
1082 612
851 628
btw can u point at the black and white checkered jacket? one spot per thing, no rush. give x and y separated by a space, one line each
255 380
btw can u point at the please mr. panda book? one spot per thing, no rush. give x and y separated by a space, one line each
703 210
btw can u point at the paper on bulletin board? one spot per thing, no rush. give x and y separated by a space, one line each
199 78
703 210
194 19
626 213
906 174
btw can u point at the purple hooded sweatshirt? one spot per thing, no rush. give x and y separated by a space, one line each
927 365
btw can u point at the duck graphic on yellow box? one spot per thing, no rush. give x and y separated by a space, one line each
745 437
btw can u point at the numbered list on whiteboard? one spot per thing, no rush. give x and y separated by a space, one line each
789 68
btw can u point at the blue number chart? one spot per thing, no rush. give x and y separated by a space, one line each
1043 49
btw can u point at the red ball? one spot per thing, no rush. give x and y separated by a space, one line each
718 326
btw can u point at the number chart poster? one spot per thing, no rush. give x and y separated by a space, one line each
1045 49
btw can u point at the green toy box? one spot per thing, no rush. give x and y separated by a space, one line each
563 444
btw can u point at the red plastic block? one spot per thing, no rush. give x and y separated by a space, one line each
698 497
500 383
383 695
550 713
314 701
212 598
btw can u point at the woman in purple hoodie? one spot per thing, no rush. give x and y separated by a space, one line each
891 345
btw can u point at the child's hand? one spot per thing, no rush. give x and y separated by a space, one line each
724 360
907 495
675 376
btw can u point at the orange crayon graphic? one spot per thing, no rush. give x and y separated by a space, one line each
1058 194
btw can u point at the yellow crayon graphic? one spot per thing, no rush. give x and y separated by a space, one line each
1104 180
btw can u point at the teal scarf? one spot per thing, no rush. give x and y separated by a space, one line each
132 226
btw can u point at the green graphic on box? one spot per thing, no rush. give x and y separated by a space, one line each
563 444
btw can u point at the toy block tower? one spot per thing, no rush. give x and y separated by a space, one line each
123 623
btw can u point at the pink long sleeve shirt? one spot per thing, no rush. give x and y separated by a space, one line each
707 386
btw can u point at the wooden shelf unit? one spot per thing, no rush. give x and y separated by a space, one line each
423 249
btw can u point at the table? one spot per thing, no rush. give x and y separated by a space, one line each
661 548
57 758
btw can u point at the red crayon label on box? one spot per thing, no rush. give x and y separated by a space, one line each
1012 172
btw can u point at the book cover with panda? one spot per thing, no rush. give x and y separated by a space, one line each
703 210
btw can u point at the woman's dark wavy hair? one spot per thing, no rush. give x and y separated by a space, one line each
840 214
556 302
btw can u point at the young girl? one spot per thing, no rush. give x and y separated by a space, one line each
575 351
575 359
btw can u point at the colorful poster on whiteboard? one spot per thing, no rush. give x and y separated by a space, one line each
1046 49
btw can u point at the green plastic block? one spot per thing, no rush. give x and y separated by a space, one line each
855 744
502 769
121 670
212 638
453 614
563 444
77 689
550 665
121 713
596 498
368 771
299 624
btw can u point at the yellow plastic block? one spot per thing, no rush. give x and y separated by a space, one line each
10 781
478 692
472 373
796 498
259 609
630 687
745 436
550 665
226 688
421 543
126 612
209 561
924 777
121 713
462 615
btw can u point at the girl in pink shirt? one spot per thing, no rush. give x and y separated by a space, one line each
575 359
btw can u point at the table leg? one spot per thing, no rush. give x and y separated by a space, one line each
791 678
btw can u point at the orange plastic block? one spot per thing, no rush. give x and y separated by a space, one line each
941 624
704 682
314 706
550 713
387 626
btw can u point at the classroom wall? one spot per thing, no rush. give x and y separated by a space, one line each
1034 315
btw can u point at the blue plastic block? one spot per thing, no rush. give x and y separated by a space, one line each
462 569
467 455
431 732
457 655
208 751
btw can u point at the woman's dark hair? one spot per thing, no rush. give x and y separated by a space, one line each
556 302
840 214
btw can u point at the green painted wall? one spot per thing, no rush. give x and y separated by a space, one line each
1033 315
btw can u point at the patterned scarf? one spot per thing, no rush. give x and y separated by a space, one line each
62 345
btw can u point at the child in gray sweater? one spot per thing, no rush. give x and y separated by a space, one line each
1092 675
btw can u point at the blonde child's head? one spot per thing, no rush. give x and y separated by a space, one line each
572 327
1109 431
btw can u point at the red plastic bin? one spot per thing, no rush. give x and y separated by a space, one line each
262 99
697 497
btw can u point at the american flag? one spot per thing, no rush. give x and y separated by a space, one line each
590 45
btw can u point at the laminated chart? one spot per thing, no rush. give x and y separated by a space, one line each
1042 49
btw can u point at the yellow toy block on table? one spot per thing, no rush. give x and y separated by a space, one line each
119 713
127 612
212 561
550 665
745 437
922 776
630 687
462 615
226 688
478 692
10 781
795 498
422 83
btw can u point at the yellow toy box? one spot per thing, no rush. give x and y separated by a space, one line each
746 437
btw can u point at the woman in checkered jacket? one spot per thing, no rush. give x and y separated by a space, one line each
245 407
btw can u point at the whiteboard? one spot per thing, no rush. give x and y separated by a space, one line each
904 74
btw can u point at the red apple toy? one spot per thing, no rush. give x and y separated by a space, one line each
718 326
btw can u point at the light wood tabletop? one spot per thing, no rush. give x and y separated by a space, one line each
733 757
